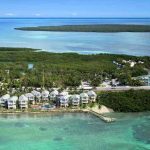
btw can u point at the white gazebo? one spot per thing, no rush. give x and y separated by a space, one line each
75 99
45 95
64 101
23 102
4 99
53 95
11 102
84 98
92 96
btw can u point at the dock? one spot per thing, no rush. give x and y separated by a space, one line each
102 117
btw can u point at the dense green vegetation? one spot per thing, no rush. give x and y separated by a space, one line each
127 101
90 28
65 69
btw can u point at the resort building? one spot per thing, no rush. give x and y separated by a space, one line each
132 63
31 97
144 79
63 94
85 86
92 96
64 101
84 98
45 95
11 102
37 95
115 82
23 102
53 95
75 99
4 100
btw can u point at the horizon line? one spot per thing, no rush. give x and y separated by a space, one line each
74 17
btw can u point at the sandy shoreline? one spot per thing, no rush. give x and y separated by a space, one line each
44 112
102 110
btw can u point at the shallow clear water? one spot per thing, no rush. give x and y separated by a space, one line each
84 43
74 132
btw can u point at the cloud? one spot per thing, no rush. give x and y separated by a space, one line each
37 14
9 14
74 14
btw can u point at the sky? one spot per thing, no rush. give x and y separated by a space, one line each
74 8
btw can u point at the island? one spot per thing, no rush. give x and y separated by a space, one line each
102 79
90 28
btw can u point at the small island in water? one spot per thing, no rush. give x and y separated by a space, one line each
90 28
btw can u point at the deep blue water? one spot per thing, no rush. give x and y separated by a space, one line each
84 43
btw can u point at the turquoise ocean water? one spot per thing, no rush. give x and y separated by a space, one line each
74 132
84 43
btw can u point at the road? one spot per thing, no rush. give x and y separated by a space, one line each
122 88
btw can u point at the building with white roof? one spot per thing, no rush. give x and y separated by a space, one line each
64 101
132 64
64 93
11 102
84 98
4 99
85 86
92 96
75 99
45 95
37 95
23 102
31 97
53 95
144 79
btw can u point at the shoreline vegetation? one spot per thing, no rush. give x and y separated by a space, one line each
90 28
126 101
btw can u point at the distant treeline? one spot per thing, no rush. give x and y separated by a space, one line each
127 101
90 28
14 49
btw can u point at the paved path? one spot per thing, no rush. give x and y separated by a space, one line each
122 88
